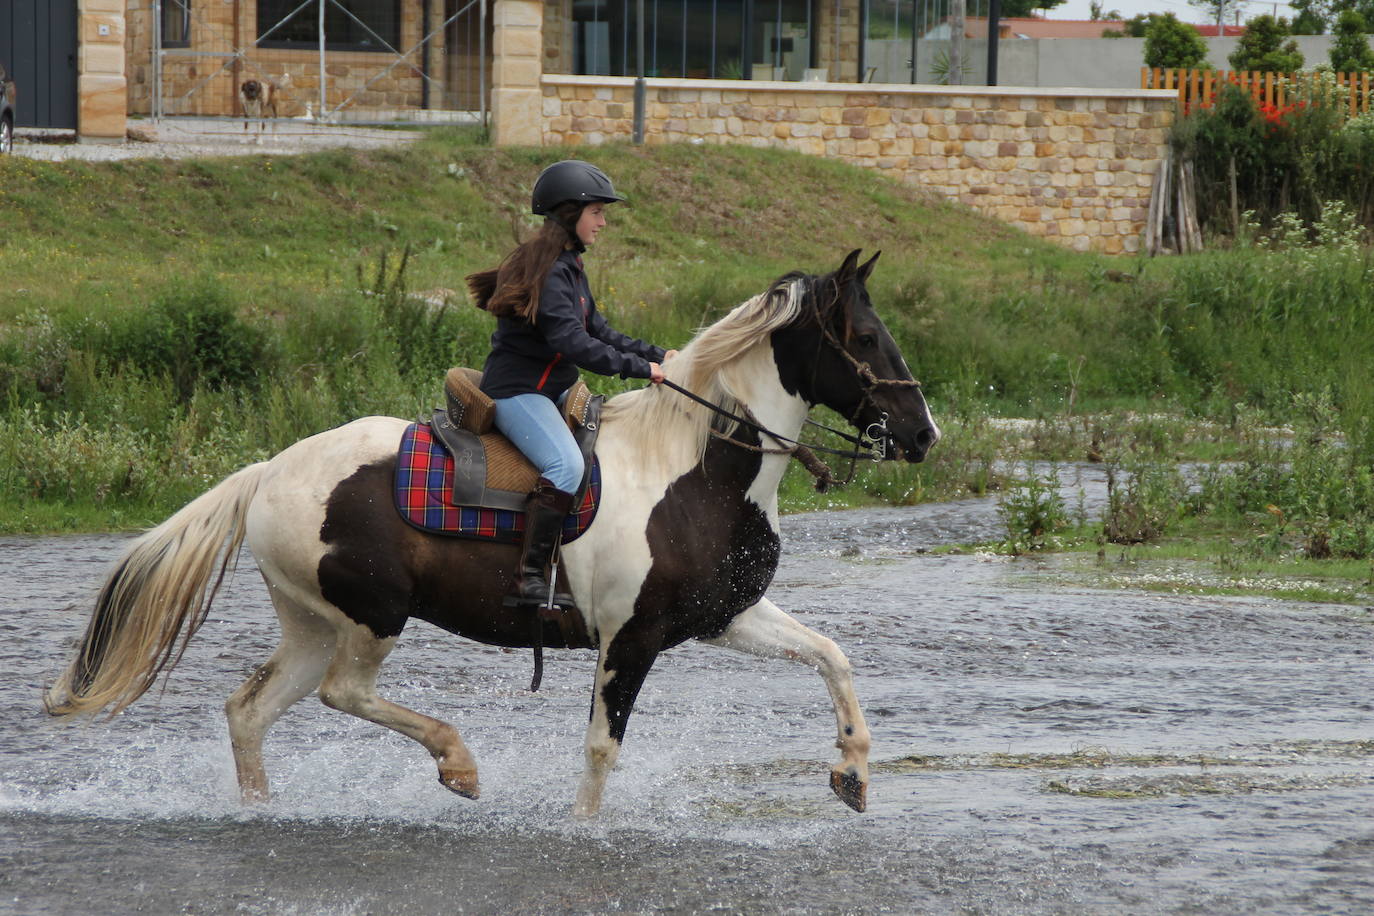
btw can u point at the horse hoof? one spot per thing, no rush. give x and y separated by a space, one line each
852 790
464 782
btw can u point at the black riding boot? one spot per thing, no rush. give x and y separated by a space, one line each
545 511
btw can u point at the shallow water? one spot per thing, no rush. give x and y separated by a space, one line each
1037 749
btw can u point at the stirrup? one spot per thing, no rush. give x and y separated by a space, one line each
561 601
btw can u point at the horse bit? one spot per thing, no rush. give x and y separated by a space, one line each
872 443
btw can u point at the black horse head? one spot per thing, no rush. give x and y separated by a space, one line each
839 353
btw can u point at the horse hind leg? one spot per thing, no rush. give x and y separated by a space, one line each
295 668
350 685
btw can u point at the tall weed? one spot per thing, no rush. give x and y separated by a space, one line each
1319 488
1033 511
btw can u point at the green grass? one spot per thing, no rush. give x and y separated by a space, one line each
164 322
186 317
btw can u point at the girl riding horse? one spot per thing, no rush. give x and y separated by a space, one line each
547 328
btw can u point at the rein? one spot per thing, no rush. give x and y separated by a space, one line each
864 445
872 443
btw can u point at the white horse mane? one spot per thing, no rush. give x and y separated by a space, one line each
664 427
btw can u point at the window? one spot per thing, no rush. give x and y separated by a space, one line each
349 25
693 38
176 23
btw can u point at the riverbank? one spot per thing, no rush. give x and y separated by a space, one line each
166 322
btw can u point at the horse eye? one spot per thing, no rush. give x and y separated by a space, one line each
867 341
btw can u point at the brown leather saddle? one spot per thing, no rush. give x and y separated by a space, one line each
487 470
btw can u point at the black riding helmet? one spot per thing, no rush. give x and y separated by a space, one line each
570 180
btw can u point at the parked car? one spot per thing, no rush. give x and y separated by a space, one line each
7 99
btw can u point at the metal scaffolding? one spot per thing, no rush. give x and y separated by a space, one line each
199 71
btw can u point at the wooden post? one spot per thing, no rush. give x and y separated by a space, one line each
1235 197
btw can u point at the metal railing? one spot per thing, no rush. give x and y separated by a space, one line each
442 74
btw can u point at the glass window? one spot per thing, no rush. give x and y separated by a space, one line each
349 25
176 23
698 39
781 39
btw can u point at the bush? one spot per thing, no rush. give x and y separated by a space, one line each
1032 511
1262 47
191 333
1271 159
1350 52
1316 495
1173 44
1143 499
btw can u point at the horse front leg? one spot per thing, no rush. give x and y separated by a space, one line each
768 632
624 663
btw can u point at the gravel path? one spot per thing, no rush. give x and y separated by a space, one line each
184 138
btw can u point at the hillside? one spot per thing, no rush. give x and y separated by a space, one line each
701 221
164 322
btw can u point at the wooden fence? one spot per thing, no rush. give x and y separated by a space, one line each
1199 87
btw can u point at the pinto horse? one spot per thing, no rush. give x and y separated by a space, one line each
683 547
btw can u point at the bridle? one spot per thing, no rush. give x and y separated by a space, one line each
871 444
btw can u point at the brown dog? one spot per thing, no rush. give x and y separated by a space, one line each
259 97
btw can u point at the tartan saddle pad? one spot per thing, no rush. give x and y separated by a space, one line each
424 490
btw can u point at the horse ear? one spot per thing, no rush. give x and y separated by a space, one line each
867 269
847 268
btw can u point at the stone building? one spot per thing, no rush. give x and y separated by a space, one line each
1074 165
391 58
381 57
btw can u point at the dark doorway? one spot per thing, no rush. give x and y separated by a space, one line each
38 49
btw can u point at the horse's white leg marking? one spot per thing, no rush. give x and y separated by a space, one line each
350 685
601 749
295 669
768 632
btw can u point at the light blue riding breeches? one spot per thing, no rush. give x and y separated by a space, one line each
535 425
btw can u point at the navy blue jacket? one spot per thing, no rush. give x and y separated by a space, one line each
567 334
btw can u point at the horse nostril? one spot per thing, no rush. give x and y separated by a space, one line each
925 439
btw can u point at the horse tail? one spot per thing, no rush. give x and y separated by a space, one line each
160 590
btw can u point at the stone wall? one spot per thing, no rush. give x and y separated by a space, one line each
517 62
842 38
1073 165
102 88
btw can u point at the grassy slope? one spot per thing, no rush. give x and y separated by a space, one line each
286 239
81 235
986 315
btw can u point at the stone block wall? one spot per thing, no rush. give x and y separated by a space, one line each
102 88
837 33
517 65
1072 165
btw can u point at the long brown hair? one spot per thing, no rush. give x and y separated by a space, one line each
511 289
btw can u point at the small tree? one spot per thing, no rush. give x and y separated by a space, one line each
1136 25
1173 44
1262 47
1216 11
1350 51
1313 16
